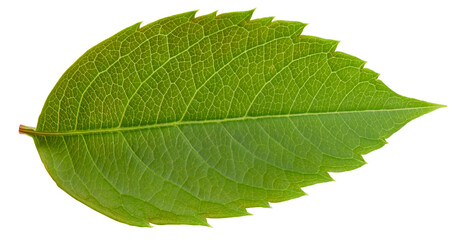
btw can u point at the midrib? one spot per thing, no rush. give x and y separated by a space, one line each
31 131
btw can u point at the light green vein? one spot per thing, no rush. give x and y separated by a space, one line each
31 131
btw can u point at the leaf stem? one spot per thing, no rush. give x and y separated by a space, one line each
26 130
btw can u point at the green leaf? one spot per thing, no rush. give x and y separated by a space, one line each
192 118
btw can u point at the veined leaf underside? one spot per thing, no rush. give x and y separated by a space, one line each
192 118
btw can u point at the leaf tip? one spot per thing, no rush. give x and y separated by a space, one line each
437 106
433 106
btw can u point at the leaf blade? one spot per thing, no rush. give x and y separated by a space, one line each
188 118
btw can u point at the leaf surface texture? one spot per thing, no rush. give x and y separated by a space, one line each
188 118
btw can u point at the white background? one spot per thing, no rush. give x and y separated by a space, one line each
411 189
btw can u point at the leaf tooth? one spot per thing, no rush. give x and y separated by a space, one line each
137 26
368 74
189 15
295 193
209 16
239 212
304 180
331 164
265 205
327 176
244 203
295 28
342 60
265 21
237 17
334 46
325 45
324 177
227 210
179 18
